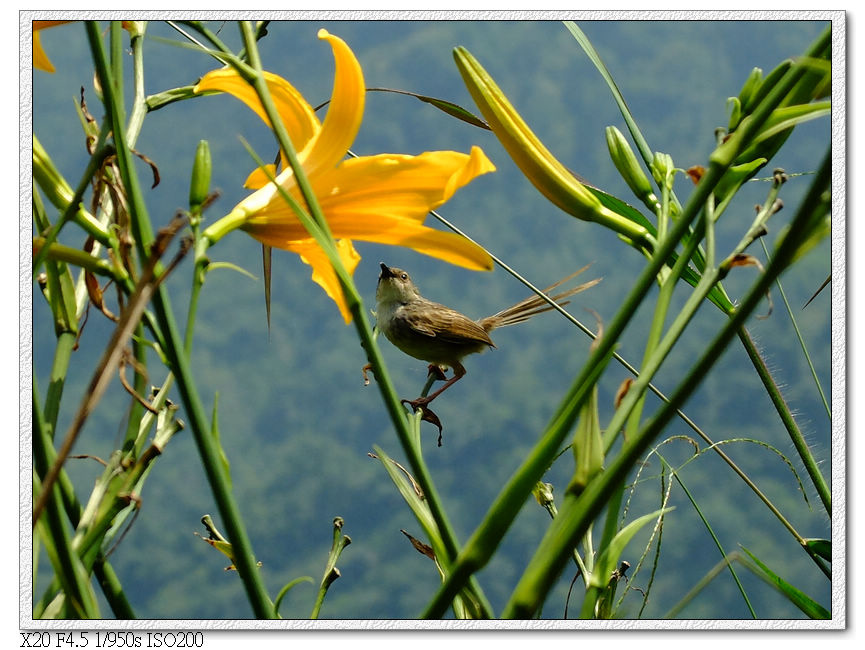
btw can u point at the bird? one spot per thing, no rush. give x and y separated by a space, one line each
442 336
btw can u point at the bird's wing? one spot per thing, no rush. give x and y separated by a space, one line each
438 321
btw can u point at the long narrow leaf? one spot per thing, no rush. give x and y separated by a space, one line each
796 596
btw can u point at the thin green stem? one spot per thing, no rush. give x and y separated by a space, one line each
207 448
788 420
355 305
801 340
714 537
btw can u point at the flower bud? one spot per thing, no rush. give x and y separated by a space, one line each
200 183
629 167
546 173
588 445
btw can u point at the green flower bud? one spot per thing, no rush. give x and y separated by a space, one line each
629 167
588 445
200 184
752 83
663 169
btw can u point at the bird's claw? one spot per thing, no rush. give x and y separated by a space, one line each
420 404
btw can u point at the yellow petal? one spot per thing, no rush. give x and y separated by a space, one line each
322 271
446 246
296 114
40 59
344 113
365 188
259 178
397 185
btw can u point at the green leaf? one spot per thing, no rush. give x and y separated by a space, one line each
620 207
804 602
454 110
228 265
790 116
609 558
214 424
735 176
716 296
822 547
287 588
409 491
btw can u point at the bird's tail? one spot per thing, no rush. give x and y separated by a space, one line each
533 305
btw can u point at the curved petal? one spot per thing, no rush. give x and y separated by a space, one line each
394 231
258 178
397 185
40 59
322 271
344 113
296 114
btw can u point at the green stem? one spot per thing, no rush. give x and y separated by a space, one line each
788 420
74 209
207 448
801 340
113 590
577 512
67 565
715 539
355 304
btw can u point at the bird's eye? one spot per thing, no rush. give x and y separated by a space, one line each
404 276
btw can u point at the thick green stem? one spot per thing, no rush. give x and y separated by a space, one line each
498 519
577 512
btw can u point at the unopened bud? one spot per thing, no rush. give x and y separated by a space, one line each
199 185
629 167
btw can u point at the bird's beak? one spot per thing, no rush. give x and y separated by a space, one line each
385 271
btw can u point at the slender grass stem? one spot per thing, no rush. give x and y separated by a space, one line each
788 420
801 339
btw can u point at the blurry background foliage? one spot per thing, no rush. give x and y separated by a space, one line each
296 419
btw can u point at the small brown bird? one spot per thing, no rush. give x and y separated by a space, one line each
442 336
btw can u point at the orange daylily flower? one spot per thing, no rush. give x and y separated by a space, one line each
383 198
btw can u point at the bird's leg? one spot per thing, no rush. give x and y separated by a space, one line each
420 402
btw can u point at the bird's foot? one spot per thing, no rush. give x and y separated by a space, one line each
420 404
